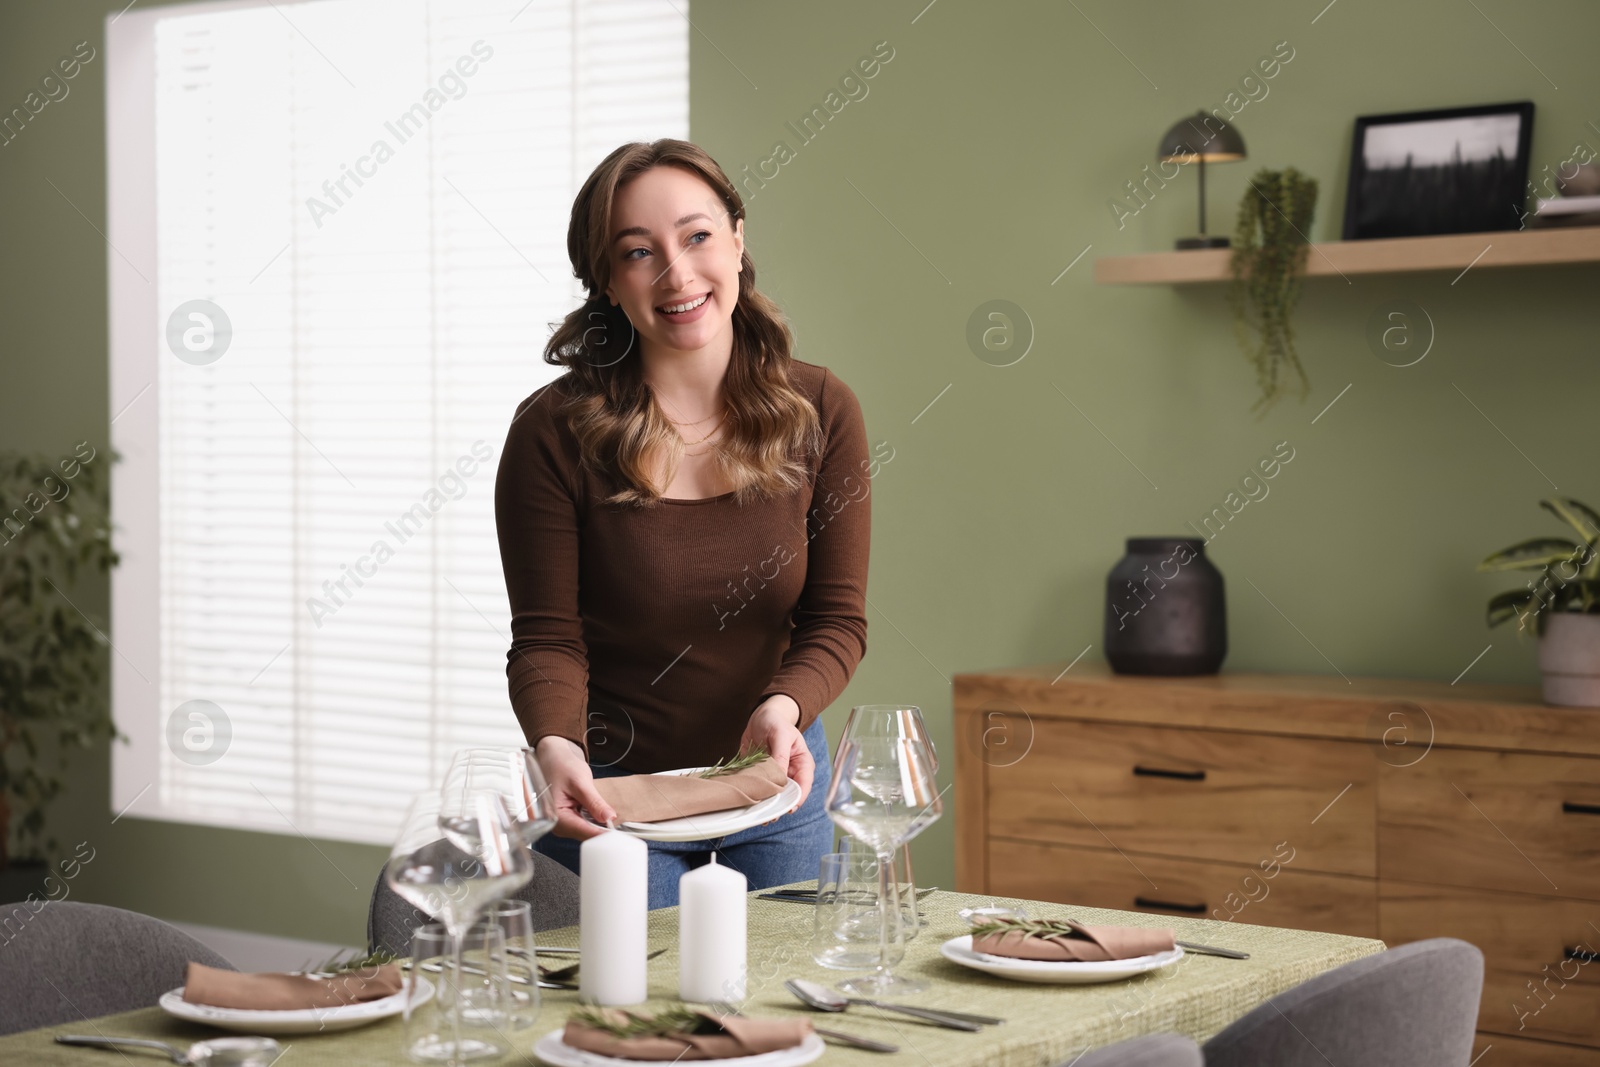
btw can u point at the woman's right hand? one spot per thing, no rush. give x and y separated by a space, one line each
572 788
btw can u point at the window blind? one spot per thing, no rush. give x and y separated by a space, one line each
359 243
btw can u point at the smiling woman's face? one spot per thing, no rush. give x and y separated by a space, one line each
672 246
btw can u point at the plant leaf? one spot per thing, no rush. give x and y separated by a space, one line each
738 763
619 1022
1532 554
1591 568
1508 605
1574 513
350 960
1049 929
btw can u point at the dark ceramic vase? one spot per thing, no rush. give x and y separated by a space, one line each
1165 610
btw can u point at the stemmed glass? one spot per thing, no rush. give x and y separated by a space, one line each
895 720
452 863
515 776
883 794
512 773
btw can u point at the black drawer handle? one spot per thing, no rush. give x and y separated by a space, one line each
1164 905
1161 772
1582 955
1575 808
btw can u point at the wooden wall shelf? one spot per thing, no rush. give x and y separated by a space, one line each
1455 252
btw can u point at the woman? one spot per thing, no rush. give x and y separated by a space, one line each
683 522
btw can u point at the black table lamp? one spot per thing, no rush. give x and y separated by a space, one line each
1205 138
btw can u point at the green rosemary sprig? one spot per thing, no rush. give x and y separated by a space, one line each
350 960
619 1022
737 763
1045 928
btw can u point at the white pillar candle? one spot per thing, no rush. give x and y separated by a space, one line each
711 933
613 903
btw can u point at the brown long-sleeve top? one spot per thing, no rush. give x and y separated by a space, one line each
648 635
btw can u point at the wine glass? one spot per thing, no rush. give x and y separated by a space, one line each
514 774
883 794
892 721
453 876
895 720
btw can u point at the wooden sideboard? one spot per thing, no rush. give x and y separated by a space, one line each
1383 808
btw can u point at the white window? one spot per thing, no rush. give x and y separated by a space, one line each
337 240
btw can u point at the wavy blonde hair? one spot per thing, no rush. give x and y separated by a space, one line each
612 411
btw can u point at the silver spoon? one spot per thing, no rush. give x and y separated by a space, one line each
217 1052
822 998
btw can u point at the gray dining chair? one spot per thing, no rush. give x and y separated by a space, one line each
1152 1050
553 892
1412 1006
62 961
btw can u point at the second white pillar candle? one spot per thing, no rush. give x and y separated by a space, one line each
711 933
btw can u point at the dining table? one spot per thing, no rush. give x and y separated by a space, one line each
1044 1024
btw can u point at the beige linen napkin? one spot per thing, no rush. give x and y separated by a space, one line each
1084 944
287 992
654 797
727 1036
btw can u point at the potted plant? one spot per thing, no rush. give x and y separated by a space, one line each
1268 265
1561 605
54 524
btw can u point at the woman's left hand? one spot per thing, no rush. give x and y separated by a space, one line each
772 727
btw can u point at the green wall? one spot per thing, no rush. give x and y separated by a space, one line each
978 166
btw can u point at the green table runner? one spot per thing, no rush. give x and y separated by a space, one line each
1046 1024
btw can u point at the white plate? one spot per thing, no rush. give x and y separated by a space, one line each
551 1049
714 823
295 1021
959 950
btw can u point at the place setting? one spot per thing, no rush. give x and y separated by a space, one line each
1061 951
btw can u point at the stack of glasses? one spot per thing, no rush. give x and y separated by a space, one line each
882 794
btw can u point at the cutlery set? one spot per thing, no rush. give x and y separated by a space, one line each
722 1007
549 977
809 896
822 998
217 1052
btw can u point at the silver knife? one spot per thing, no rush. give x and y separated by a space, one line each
858 1042
1208 950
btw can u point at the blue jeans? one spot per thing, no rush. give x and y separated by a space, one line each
786 850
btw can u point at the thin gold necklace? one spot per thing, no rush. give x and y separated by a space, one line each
707 437
696 422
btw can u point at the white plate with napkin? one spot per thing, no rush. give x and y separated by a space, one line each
714 823
296 1020
1066 972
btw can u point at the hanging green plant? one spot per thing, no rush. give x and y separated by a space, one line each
1268 262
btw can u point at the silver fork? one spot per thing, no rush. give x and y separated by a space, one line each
722 1007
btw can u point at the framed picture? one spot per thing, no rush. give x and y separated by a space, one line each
1458 170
